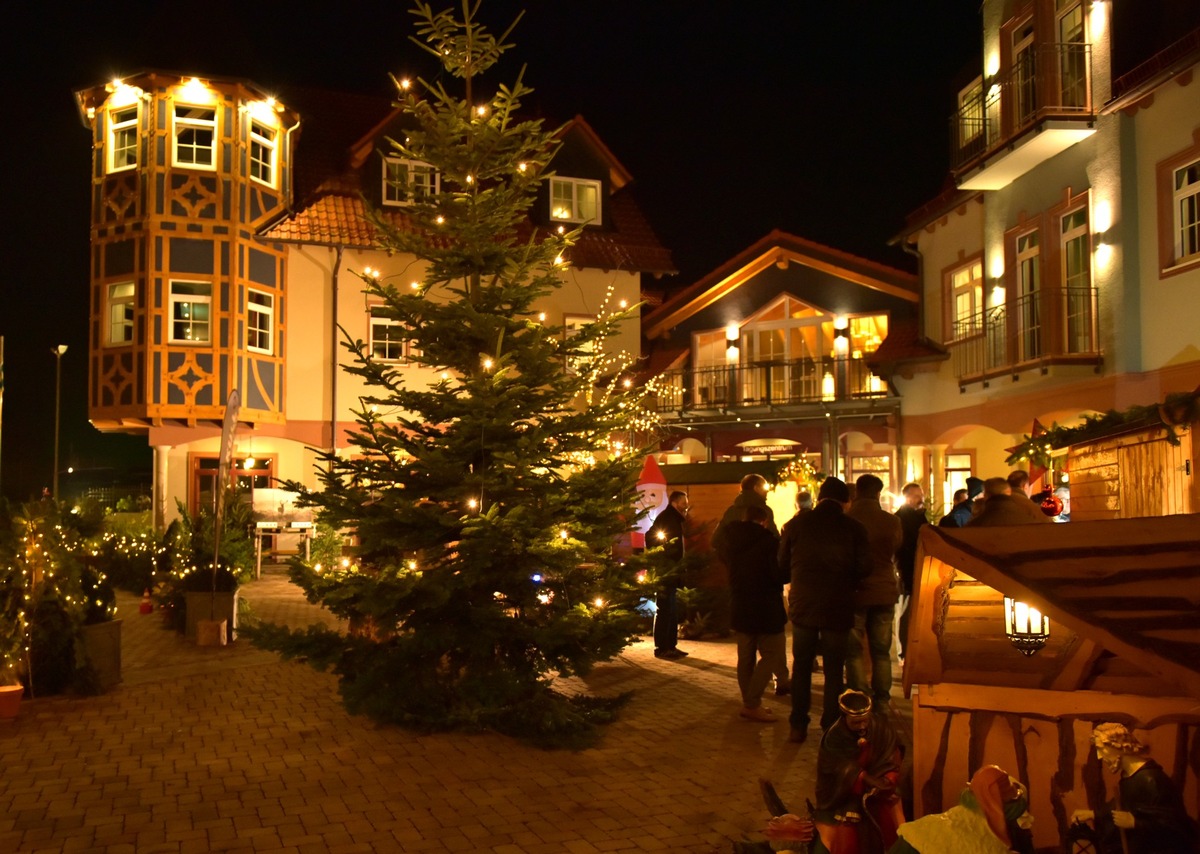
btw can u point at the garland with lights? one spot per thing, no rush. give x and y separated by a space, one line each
1179 409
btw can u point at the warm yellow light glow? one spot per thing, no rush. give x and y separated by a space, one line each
996 266
472 503
541 317
122 95
441 220
841 344
195 92
840 321
481 110
445 375
998 295
264 112
345 562
563 533
558 260
641 576
599 603
522 166
1099 18
623 303
828 389
1102 216
405 83
731 333
487 363
412 565
1104 253
416 286
627 383
992 65
470 179
249 464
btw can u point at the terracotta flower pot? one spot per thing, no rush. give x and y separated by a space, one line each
10 700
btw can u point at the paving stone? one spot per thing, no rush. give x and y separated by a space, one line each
232 749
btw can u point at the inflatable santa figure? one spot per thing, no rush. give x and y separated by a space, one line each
652 498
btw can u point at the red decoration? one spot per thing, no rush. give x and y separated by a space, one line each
1051 504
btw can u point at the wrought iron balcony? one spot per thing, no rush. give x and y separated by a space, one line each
772 384
1047 326
1053 81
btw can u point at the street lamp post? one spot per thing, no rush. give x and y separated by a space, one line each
58 354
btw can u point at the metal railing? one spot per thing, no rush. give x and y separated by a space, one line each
1003 336
1054 79
768 384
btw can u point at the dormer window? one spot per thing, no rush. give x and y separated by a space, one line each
574 200
195 137
122 138
408 181
262 153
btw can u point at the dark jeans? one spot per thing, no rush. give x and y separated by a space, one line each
873 628
806 640
666 623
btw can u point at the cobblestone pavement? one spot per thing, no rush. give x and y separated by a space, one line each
231 749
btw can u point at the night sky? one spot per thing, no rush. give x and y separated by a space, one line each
734 118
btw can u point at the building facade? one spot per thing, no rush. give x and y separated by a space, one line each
229 232
1061 266
772 356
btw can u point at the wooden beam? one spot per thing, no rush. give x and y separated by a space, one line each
1055 705
1073 665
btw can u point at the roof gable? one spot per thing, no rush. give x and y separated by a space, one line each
778 249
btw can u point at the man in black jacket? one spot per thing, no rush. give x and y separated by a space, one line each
758 618
828 553
667 531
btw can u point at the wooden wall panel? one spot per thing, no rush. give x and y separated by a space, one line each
1137 474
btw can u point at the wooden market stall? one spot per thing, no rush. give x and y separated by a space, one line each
1123 599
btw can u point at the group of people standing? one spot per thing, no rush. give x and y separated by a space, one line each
850 565
839 558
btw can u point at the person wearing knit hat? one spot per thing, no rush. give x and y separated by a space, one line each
991 818
961 514
827 553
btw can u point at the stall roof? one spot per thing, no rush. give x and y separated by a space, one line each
1132 586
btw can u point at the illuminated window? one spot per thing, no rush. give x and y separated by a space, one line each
120 313
1187 211
1075 251
262 153
406 181
260 322
191 304
387 336
1029 276
195 137
574 200
123 138
966 300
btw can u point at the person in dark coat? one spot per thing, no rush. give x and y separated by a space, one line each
1001 507
828 554
912 517
753 493
667 531
875 599
758 617
960 514
1019 486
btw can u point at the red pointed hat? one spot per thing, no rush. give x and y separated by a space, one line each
651 473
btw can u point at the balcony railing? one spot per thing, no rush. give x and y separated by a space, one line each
1054 80
768 384
1042 326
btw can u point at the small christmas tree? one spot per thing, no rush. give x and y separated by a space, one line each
486 503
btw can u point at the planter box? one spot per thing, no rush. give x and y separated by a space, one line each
102 647
10 700
200 606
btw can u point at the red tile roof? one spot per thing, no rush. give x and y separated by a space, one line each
329 208
904 343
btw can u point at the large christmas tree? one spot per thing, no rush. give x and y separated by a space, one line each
486 503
